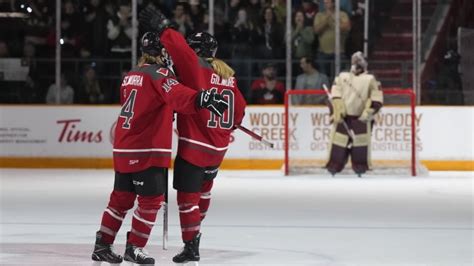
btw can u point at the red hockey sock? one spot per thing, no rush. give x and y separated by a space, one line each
189 214
120 202
205 199
144 218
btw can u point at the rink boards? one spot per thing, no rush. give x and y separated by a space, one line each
80 136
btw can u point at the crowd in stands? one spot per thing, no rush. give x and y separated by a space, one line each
96 43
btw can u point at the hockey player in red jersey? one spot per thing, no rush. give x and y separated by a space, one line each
203 137
149 95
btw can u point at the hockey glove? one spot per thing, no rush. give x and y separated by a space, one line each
339 110
212 101
151 19
368 113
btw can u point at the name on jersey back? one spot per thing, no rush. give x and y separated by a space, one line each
134 80
216 80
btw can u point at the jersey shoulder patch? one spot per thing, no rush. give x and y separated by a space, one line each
163 71
157 72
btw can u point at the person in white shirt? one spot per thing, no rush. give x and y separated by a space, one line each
66 93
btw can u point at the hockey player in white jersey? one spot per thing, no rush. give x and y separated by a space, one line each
356 98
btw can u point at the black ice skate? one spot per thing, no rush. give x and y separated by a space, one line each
190 252
137 255
104 252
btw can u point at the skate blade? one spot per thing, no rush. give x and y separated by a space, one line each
189 263
128 263
99 263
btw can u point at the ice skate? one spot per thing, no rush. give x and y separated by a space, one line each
136 255
190 253
104 252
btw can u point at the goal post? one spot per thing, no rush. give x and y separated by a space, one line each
393 141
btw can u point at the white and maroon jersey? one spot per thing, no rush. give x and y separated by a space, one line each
203 137
356 90
143 132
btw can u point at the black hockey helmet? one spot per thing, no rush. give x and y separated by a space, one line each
203 43
151 44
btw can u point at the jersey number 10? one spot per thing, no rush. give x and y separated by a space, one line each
227 120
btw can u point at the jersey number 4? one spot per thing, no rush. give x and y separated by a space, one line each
127 109
227 120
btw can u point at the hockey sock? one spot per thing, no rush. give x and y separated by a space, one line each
189 214
144 218
205 199
120 202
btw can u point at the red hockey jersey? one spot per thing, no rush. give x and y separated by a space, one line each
143 132
203 137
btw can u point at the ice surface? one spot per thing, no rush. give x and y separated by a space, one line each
49 217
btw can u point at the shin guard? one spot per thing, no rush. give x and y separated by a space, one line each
205 199
120 202
144 218
189 214
339 151
361 146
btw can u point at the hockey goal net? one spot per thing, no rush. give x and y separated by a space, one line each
308 130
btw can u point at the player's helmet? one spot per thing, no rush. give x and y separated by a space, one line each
203 43
151 44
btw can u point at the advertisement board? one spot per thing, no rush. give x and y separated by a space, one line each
443 133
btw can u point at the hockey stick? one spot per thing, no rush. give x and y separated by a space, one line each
349 131
255 135
165 213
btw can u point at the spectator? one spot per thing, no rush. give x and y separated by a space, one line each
355 39
197 15
242 35
89 90
345 5
324 26
309 79
221 32
39 25
4 51
254 8
31 86
309 9
449 81
119 31
302 37
270 36
233 10
279 7
41 12
268 90
96 18
181 17
66 93
70 30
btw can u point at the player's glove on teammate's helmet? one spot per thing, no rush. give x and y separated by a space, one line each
203 43
151 19
212 101
151 44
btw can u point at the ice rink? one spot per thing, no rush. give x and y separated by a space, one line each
49 217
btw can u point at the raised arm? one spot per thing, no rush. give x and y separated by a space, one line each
184 58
